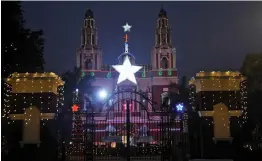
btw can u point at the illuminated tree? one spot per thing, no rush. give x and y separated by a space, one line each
22 51
75 79
252 69
22 48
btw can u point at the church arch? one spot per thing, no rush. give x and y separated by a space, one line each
165 100
164 63
88 63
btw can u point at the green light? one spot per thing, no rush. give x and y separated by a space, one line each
108 75
169 72
143 74
83 74
160 73
92 74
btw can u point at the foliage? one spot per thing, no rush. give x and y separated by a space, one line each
75 80
252 69
183 82
179 92
22 48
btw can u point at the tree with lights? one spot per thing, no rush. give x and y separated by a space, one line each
22 51
22 48
252 69
77 83
75 79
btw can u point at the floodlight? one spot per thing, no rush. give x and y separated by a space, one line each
102 94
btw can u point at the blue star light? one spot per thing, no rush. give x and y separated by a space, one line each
180 107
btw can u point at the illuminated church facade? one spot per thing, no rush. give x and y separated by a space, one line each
153 83
153 78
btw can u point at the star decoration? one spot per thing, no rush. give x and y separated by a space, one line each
127 27
179 107
75 108
127 71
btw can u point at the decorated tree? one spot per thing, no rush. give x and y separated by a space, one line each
75 79
22 48
22 51
252 69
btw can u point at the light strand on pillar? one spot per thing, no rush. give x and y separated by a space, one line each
29 83
235 80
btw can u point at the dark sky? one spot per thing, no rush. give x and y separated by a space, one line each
207 35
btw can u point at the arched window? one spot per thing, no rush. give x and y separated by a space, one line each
144 130
144 101
88 63
164 63
165 100
93 39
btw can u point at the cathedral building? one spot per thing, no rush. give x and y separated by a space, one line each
143 122
153 78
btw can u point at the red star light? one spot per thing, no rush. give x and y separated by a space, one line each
75 108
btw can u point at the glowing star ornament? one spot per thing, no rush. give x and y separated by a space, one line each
75 108
127 27
126 71
179 107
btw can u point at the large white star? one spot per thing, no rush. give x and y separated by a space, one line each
126 71
127 27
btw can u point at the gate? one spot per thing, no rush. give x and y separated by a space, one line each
127 130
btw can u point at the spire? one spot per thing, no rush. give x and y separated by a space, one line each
162 12
126 29
89 32
126 53
89 14
163 31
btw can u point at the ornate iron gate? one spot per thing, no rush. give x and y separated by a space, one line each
129 133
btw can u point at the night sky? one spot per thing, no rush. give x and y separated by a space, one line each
207 35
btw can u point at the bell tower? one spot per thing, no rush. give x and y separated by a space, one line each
163 54
89 55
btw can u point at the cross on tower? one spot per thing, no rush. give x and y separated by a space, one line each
31 131
221 116
126 38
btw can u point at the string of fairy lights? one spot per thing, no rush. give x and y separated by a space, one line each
7 101
77 143
243 93
144 73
